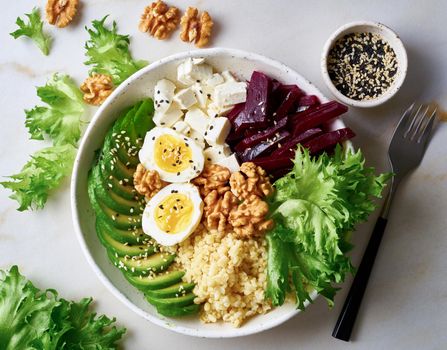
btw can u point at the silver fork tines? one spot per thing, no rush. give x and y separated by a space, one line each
418 122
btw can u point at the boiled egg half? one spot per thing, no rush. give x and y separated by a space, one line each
177 158
173 213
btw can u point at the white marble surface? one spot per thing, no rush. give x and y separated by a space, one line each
405 306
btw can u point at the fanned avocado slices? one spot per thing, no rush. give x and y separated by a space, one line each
118 208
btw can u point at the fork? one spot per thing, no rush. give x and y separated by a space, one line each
405 153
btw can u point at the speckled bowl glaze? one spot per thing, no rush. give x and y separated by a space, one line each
141 85
369 27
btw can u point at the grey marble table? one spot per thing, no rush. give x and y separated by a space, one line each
405 306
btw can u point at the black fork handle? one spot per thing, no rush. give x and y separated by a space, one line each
346 320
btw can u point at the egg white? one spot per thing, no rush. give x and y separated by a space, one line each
149 223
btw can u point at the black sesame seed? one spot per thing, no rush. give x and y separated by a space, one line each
211 127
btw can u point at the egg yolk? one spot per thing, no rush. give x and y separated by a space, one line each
172 154
174 213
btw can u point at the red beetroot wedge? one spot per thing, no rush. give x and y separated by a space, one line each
257 104
308 101
263 147
328 140
271 164
315 116
254 138
289 102
288 148
235 111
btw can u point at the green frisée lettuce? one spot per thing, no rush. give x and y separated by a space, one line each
108 52
315 207
61 118
33 30
41 174
34 319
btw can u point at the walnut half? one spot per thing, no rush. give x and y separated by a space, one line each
61 12
147 182
250 180
97 88
159 20
195 29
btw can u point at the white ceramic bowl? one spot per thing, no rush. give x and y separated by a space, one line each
136 87
369 27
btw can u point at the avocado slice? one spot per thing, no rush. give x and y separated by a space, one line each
130 236
176 290
183 300
154 263
125 249
178 311
164 280
120 187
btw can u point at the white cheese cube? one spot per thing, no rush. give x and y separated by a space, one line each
200 94
168 118
224 149
163 94
230 163
228 76
217 131
182 127
230 93
214 111
215 79
197 120
213 155
185 98
189 72
198 60
197 137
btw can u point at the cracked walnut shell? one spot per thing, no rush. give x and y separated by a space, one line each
61 12
147 182
250 180
97 88
195 29
159 20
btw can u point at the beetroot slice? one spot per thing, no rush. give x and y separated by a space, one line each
316 116
288 103
257 137
257 104
262 147
308 101
235 111
271 163
288 149
328 140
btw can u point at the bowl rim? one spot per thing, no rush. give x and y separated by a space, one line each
238 332
395 42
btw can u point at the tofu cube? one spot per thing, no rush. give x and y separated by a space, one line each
163 94
200 94
185 98
217 131
230 163
230 93
197 120
168 118
182 127
228 77
197 137
215 79
189 72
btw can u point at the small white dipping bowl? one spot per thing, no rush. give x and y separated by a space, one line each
136 87
388 35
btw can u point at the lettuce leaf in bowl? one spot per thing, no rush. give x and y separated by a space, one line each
315 207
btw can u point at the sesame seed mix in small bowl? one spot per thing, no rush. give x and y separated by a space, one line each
364 64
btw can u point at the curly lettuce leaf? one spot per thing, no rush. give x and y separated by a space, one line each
35 319
108 52
40 175
33 30
61 119
315 206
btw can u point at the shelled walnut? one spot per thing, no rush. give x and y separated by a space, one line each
159 20
97 88
196 29
147 182
213 177
61 12
218 208
250 180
